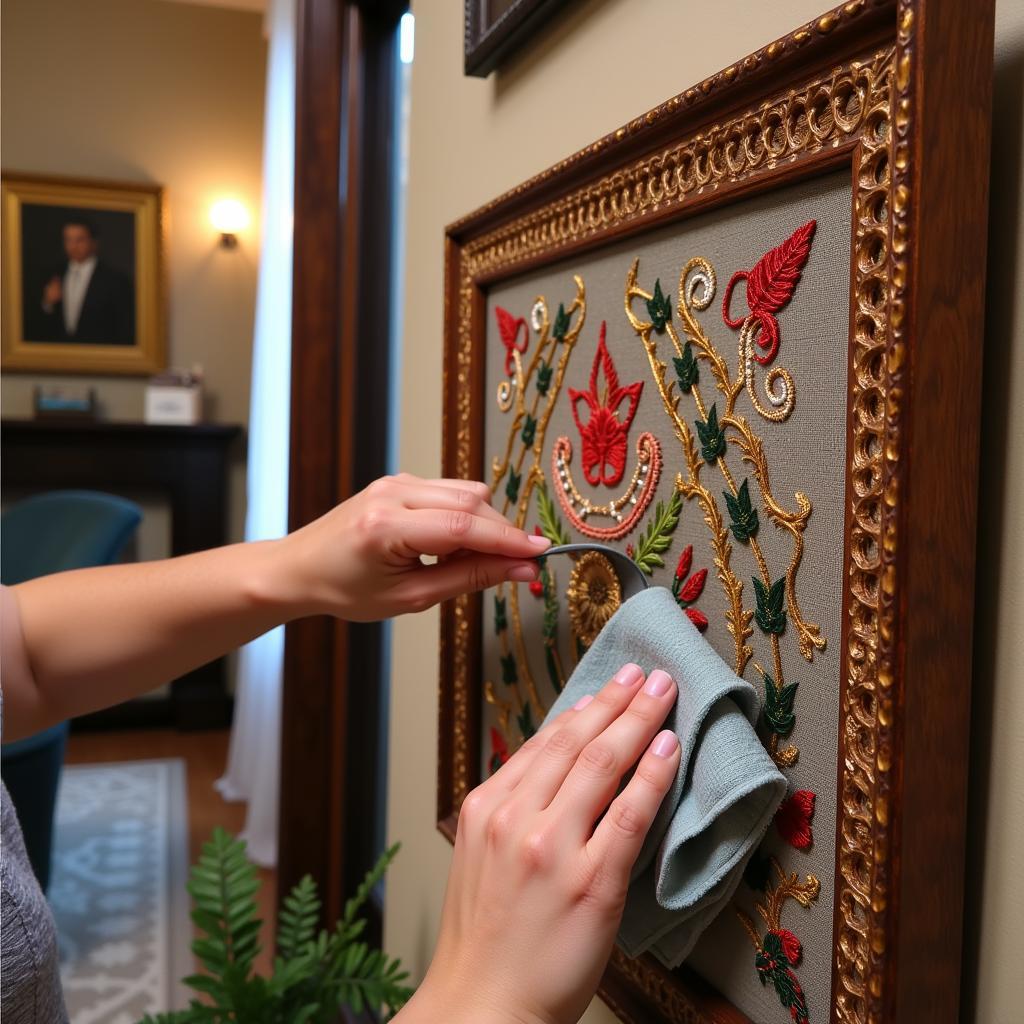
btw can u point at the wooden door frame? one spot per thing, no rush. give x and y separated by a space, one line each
345 54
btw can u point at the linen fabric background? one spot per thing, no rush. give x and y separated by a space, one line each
806 453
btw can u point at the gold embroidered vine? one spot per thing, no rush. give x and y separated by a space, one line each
697 285
529 426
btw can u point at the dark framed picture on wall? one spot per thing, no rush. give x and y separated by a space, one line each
737 340
82 276
494 29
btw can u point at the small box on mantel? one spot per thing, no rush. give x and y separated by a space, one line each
175 398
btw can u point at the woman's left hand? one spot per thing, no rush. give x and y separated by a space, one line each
362 561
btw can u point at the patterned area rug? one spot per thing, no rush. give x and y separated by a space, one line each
118 889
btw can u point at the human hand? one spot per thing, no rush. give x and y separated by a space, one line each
362 560
53 292
536 891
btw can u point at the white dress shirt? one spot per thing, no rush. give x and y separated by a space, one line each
76 284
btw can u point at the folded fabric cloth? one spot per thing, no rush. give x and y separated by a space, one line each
725 793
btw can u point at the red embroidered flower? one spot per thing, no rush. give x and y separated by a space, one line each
687 591
790 946
793 819
499 750
508 328
604 433
770 286
537 588
630 551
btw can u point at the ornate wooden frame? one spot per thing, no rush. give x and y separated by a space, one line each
898 92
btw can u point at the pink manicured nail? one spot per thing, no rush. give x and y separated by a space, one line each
658 683
522 573
628 675
539 542
582 702
665 744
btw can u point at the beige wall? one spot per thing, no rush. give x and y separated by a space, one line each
147 90
596 68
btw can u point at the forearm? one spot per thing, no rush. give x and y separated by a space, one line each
95 637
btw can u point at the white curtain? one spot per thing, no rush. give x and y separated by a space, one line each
253 760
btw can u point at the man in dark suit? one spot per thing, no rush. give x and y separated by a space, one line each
87 301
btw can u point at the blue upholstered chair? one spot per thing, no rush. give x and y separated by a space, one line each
44 534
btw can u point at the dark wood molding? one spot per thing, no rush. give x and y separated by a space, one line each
950 96
331 744
188 465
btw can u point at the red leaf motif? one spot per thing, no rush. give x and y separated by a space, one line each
499 748
770 286
685 561
793 819
697 617
508 328
772 281
604 434
694 587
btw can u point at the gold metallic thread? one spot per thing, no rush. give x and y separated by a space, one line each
594 595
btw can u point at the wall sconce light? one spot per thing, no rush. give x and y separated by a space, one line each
229 216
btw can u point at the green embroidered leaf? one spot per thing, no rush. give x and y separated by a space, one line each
770 613
512 487
509 673
500 616
712 437
657 536
686 369
778 705
525 721
561 325
755 874
659 308
772 964
550 522
549 630
744 523
544 371
529 429
772 945
550 626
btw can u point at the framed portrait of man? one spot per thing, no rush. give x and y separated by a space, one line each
82 276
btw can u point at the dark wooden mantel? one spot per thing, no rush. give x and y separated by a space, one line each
187 466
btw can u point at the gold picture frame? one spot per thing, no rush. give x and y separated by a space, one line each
118 326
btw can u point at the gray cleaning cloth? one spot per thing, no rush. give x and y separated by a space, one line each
725 793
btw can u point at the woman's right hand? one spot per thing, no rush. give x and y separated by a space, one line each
539 877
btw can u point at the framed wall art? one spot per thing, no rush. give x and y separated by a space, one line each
82 276
496 28
739 339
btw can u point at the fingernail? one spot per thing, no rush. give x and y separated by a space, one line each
628 675
539 542
522 573
582 702
658 683
665 744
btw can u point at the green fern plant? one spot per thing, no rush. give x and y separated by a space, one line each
315 973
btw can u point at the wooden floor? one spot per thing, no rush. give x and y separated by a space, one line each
205 755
